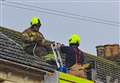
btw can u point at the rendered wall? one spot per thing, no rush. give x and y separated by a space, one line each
11 78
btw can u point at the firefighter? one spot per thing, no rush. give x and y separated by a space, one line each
34 41
74 57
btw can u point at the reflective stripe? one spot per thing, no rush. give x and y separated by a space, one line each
66 78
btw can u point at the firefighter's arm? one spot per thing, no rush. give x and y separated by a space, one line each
47 43
43 41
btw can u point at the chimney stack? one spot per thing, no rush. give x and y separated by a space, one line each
108 51
100 51
115 50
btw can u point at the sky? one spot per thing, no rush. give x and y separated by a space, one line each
97 22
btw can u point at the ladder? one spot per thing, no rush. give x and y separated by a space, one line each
57 55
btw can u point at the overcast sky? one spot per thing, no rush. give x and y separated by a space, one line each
96 21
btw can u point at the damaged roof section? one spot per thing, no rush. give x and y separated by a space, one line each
11 50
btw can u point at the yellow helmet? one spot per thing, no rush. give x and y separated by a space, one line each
35 21
74 39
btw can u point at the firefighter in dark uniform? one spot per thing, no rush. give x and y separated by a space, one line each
74 57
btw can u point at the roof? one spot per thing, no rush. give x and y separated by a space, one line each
104 67
11 50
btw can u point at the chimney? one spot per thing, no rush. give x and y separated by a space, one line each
100 51
119 50
108 51
115 50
